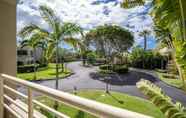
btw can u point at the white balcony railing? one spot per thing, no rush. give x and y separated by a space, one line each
95 108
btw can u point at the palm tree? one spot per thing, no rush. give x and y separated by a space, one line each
163 36
145 33
33 42
169 14
57 34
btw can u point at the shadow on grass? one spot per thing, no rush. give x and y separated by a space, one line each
116 99
130 78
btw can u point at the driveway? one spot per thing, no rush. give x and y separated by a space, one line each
87 78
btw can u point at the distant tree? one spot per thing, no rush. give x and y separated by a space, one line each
109 39
145 34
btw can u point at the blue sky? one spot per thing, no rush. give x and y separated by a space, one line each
89 14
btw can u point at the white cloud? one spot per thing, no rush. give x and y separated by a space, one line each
86 14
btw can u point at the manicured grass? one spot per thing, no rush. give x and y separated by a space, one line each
173 82
44 73
116 99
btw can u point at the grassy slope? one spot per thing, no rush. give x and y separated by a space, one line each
45 73
116 99
173 82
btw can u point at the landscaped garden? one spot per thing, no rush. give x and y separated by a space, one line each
109 51
45 73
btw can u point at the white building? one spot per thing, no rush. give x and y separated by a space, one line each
26 55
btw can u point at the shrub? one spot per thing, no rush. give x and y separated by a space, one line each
162 101
105 67
91 58
106 72
120 68
100 61
115 68
139 58
26 68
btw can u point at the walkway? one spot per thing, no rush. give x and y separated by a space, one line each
86 78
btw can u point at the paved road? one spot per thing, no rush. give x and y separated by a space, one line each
87 78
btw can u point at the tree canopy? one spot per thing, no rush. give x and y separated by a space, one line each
109 39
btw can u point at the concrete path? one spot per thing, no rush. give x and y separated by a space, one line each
87 78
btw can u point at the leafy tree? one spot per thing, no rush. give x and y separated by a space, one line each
109 39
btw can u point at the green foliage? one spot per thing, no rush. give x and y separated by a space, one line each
105 67
45 73
113 68
91 57
101 71
27 68
132 3
120 68
162 101
146 59
181 53
109 39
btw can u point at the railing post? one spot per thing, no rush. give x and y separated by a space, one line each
1 97
30 104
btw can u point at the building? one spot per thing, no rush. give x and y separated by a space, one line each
26 55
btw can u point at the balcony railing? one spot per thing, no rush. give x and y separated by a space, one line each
95 108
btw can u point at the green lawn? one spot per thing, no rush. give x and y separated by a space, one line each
173 82
116 99
44 73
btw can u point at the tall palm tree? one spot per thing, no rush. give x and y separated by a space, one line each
145 34
58 32
33 42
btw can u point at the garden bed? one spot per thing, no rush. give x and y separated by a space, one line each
109 69
45 73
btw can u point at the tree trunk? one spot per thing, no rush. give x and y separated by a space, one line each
181 75
183 19
57 74
145 42
35 68
180 72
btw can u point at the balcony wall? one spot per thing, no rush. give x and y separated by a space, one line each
8 37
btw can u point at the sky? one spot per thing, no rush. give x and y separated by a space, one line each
89 14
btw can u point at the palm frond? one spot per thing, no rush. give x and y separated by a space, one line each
70 29
30 29
49 16
132 3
